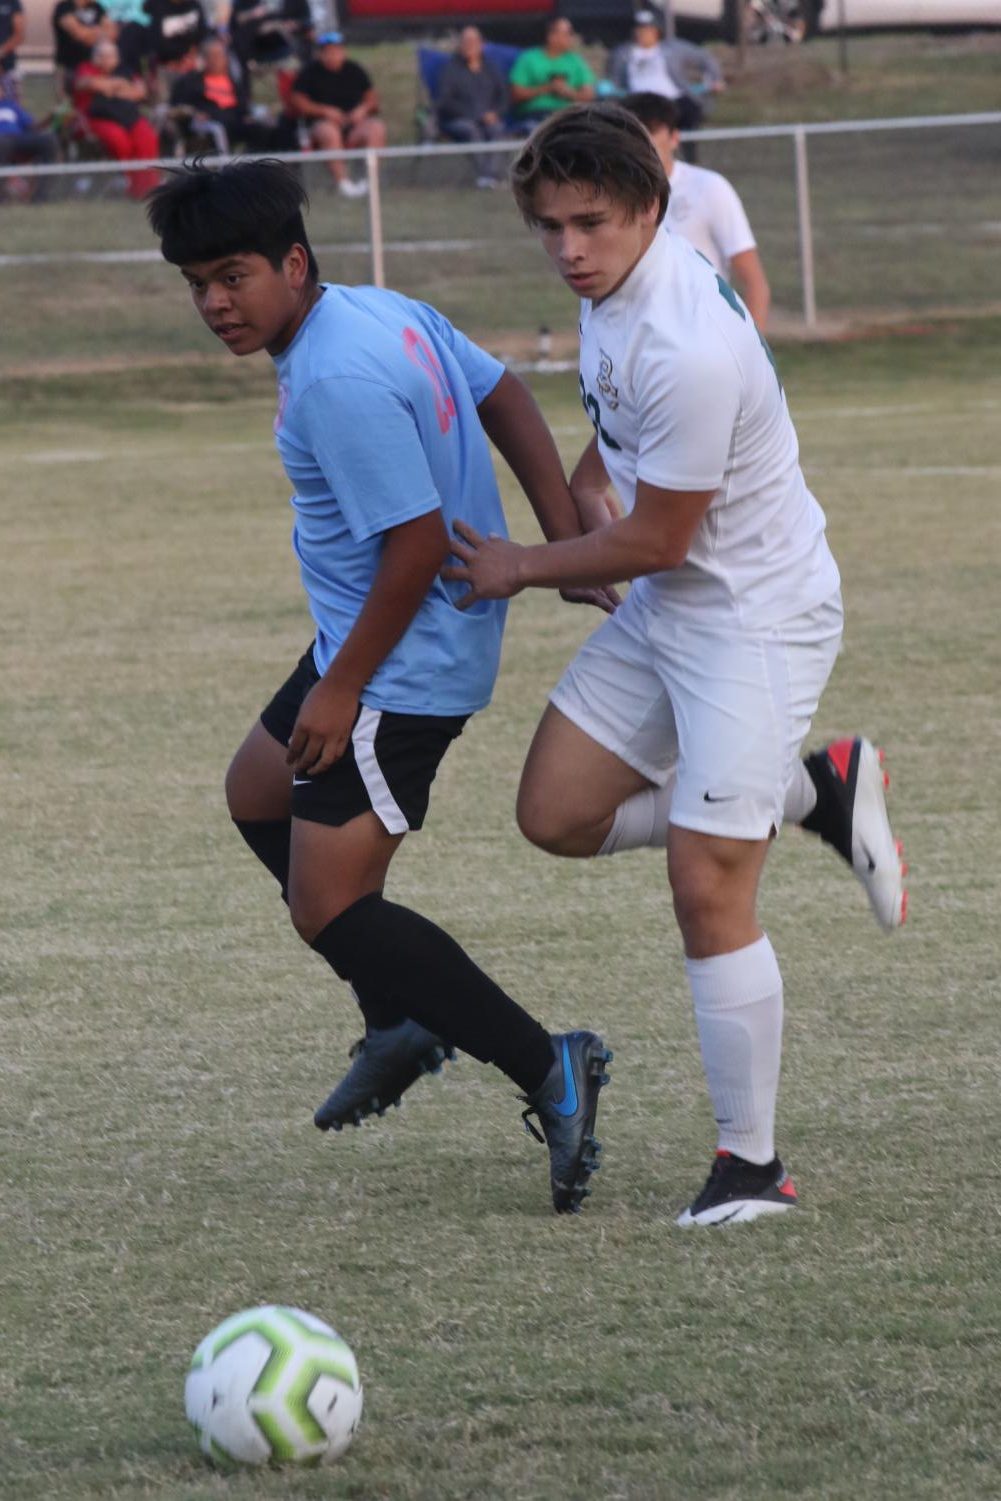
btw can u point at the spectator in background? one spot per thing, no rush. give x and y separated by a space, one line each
679 71
22 141
108 94
704 208
265 32
336 98
133 22
12 27
214 96
175 27
78 26
472 101
547 78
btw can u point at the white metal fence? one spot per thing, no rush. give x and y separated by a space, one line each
851 217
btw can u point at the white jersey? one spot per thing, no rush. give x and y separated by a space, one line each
705 209
683 394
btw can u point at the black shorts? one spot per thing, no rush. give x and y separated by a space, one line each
387 768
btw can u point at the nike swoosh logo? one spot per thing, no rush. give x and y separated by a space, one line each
731 798
568 1104
301 781
872 863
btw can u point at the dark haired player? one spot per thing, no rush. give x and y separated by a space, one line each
679 721
382 412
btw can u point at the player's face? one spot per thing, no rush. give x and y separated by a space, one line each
246 302
589 237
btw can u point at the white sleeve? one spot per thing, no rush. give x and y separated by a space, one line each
731 228
687 404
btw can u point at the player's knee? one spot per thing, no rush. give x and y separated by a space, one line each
541 820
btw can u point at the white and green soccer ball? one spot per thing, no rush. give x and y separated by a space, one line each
273 1386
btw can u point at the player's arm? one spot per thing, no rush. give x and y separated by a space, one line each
514 424
591 488
411 559
655 537
747 275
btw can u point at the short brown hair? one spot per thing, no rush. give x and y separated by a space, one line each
599 144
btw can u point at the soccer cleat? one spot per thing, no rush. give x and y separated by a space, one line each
566 1105
386 1062
851 817
737 1192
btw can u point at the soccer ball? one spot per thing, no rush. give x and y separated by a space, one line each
273 1385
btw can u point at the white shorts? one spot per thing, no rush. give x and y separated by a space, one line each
727 712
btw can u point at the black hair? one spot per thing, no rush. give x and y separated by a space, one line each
601 145
654 110
243 208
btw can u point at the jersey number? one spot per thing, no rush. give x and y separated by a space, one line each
593 411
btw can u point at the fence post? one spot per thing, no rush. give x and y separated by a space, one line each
805 229
375 219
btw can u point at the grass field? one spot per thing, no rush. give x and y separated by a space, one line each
165 1035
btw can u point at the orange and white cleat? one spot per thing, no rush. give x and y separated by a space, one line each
851 816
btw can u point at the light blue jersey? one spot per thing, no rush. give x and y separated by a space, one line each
377 425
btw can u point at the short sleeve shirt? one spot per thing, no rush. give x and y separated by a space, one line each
341 88
69 52
704 208
8 10
376 426
535 67
177 26
684 395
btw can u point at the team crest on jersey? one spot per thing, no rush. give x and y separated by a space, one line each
608 391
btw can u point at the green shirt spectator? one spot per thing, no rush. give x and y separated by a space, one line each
547 78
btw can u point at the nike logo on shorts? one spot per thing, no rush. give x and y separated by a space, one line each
732 797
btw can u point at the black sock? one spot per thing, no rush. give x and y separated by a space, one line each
269 839
404 958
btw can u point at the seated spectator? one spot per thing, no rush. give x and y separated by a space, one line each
472 101
679 71
78 26
22 141
214 98
341 108
12 29
108 96
265 32
547 78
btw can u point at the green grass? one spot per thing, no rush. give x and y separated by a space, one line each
165 1036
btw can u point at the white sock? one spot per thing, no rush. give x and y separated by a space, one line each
738 1010
801 795
641 821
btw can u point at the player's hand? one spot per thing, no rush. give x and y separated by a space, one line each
489 565
602 596
322 729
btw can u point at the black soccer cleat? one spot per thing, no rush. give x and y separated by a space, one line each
386 1063
566 1105
738 1191
850 815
